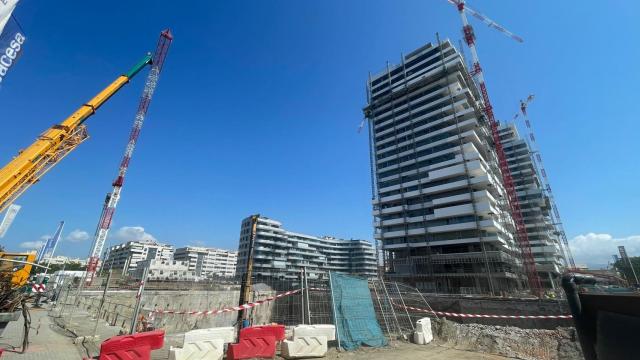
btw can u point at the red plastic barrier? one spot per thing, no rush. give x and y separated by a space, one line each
255 347
132 347
277 331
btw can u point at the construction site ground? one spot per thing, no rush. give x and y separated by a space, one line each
48 340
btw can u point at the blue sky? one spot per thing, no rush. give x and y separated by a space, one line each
259 103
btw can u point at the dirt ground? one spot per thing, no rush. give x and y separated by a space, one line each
407 351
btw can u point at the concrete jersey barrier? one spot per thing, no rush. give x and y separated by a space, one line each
328 331
304 347
206 349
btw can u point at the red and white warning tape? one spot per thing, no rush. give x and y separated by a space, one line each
229 309
450 314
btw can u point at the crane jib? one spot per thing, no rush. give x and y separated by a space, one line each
56 142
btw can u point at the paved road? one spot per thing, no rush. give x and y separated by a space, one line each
47 341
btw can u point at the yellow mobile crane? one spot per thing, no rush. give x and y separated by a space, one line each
55 143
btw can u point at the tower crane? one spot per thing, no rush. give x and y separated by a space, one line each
537 159
512 197
111 201
55 143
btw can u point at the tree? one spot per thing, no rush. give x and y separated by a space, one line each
72 266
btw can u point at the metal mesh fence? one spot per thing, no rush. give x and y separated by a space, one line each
310 304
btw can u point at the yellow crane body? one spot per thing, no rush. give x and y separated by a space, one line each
55 143
18 265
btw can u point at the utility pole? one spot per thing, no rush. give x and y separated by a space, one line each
245 286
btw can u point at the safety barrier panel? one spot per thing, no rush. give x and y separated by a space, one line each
423 334
277 331
328 331
257 347
132 347
303 347
211 349
227 334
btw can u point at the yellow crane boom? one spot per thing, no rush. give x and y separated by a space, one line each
55 143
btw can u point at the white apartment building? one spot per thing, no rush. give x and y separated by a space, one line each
208 262
126 256
279 253
164 270
535 204
439 205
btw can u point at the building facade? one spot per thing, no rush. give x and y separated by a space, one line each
535 204
440 214
282 254
208 262
125 257
164 270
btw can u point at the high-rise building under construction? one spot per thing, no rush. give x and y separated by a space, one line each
439 204
544 236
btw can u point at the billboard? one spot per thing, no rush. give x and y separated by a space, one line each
6 9
50 246
12 38
9 216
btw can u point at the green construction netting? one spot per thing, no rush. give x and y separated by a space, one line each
355 316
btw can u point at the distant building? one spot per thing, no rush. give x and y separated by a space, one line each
280 253
164 270
535 204
208 262
61 260
125 257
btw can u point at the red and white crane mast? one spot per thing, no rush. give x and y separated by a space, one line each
113 197
476 72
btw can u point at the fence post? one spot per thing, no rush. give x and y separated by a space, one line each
333 306
104 293
306 287
134 321
302 294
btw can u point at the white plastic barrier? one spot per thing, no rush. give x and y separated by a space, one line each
328 331
304 347
212 349
423 334
227 334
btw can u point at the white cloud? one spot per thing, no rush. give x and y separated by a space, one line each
133 233
77 235
35 245
596 250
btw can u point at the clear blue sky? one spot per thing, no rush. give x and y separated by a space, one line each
259 102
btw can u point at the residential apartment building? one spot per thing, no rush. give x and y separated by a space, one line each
439 205
164 270
208 262
279 253
535 204
125 257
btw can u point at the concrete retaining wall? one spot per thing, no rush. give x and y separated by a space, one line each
118 308
527 344
497 306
